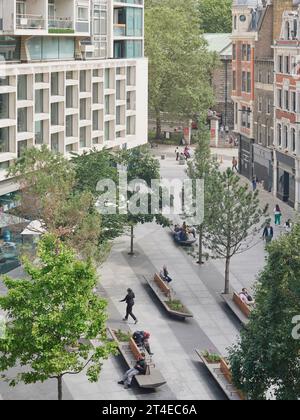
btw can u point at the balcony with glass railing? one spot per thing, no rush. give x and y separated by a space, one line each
119 29
32 22
61 25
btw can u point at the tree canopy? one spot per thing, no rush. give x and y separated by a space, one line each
216 16
179 63
53 318
266 359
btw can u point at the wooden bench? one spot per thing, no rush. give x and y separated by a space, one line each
238 307
131 354
162 285
223 377
164 294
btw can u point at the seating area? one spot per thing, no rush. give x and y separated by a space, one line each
131 353
238 307
221 373
166 296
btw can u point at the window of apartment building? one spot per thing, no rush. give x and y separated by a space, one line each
118 71
249 82
260 78
293 65
4 166
55 142
280 64
279 98
287 64
22 120
55 114
39 78
260 103
83 109
279 135
39 101
4 140
83 137
118 90
235 23
244 52
4 106
244 117
269 106
293 140
39 132
294 101
70 97
130 126
234 80
269 78
234 51
22 87
83 81
100 21
107 131
96 120
95 93
69 126
244 81
131 101
83 14
69 148
107 104
22 147
118 115
248 52
248 118
96 73
236 116
269 139
130 76
70 75
285 137
4 81
107 79
287 100
260 129
55 84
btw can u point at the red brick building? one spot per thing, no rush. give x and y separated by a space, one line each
287 109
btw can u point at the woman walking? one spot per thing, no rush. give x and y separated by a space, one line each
278 215
129 299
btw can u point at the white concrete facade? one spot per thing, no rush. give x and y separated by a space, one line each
67 89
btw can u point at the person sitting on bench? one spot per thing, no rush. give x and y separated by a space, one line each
164 274
246 297
141 339
140 368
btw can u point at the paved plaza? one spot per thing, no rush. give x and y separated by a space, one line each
173 342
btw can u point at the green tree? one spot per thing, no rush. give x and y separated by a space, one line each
216 16
266 357
179 63
54 318
234 218
201 168
47 193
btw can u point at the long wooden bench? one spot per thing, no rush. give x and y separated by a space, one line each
131 353
238 307
223 377
164 294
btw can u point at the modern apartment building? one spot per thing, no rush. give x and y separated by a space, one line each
72 76
287 109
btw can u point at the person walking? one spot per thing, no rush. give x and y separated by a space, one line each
234 164
254 183
177 153
140 368
278 215
129 299
268 234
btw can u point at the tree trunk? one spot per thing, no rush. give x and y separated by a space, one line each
60 388
131 241
158 125
227 276
200 261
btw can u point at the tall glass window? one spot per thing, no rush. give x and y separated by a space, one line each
107 104
83 108
39 101
4 106
55 84
69 97
39 132
22 120
69 126
22 147
55 143
22 87
134 22
4 140
55 114
96 121
83 81
83 137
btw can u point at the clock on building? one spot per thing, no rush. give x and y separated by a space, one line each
243 18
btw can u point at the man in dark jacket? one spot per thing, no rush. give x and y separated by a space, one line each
141 339
140 368
268 233
129 299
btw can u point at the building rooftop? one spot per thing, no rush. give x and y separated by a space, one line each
219 43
